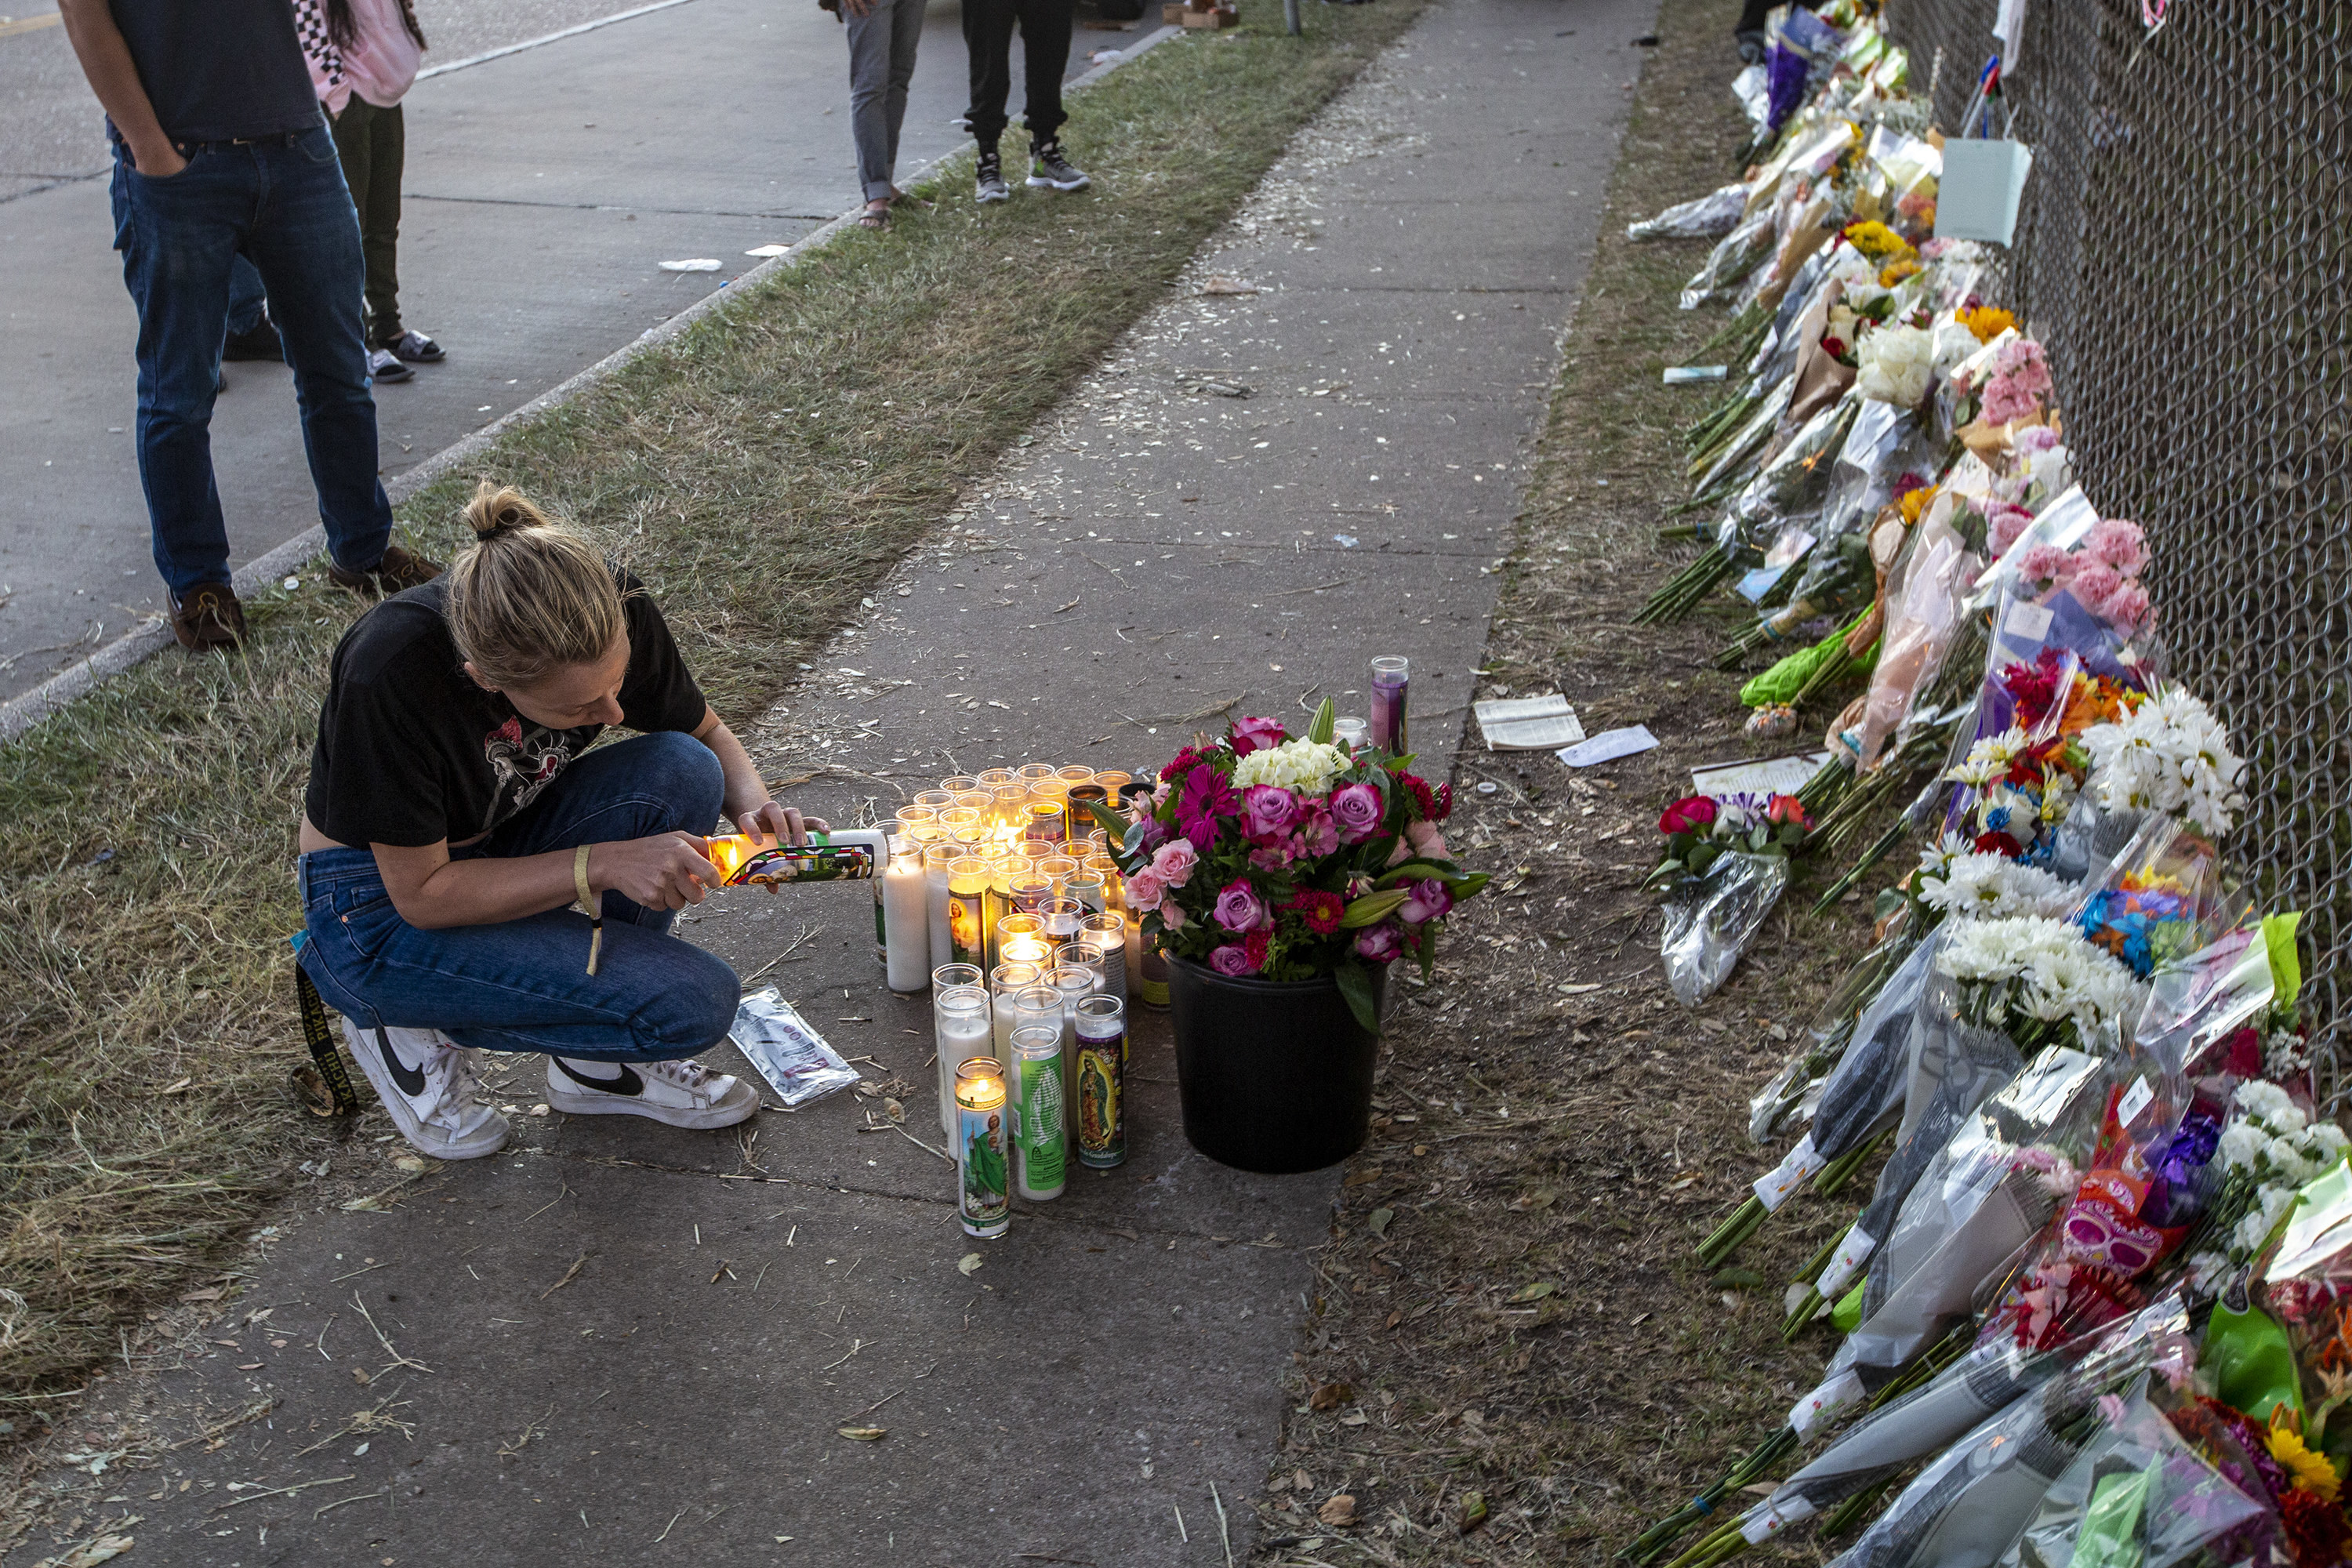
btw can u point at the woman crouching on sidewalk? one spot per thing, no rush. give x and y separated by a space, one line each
452 820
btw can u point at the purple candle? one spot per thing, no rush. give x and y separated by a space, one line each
1391 676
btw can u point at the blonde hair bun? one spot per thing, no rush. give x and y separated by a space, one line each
502 508
530 596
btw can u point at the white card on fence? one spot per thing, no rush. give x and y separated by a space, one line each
1775 775
1527 723
1608 746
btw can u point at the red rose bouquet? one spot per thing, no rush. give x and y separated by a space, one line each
1291 859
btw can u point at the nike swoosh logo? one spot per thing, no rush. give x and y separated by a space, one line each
627 1083
409 1080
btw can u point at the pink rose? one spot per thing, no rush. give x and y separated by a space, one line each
1356 808
1173 862
1172 916
1268 809
1232 960
1256 735
1380 944
1145 888
1428 842
1239 909
1429 899
2041 438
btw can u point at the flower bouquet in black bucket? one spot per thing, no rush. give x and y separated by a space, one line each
1283 877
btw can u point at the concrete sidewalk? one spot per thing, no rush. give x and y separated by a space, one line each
1154 550
544 190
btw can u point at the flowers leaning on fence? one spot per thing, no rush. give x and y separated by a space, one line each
2033 978
1263 855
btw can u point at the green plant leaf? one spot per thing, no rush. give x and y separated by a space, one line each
1372 909
1415 871
1471 886
1358 986
1112 824
1326 720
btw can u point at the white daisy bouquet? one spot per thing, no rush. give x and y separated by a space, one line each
2036 980
2170 754
1959 881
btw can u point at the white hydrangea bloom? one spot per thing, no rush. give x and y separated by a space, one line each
1306 766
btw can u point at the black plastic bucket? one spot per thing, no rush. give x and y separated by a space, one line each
1275 1076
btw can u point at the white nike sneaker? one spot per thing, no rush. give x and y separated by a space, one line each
683 1093
433 1087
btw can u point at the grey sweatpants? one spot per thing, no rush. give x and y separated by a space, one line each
882 46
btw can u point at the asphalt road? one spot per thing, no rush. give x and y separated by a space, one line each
543 189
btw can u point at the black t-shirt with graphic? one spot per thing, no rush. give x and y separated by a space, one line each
411 752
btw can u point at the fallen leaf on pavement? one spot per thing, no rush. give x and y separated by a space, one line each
1332 1395
967 1263
865 1434
1340 1510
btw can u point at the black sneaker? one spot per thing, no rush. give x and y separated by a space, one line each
261 342
989 178
1047 167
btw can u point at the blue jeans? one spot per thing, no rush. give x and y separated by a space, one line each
523 985
282 203
247 298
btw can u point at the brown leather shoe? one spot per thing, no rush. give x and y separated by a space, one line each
209 618
398 569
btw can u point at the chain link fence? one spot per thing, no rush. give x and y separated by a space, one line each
2185 250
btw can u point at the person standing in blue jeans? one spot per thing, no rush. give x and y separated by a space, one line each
452 817
220 149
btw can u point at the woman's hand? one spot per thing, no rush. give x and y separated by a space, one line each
771 820
667 871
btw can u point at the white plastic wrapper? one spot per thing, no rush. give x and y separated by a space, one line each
1702 217
1753 89
795 1060
1711 918
1735 256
